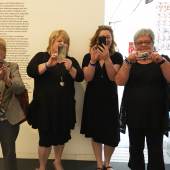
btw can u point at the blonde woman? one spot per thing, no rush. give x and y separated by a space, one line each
52 109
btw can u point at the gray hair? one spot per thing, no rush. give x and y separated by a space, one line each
144 31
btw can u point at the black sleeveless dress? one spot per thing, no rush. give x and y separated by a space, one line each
145 97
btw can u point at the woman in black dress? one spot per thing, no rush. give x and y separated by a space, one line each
145 106
52 109
100 110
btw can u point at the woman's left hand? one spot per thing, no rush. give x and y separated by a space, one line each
103 52
156 57
67 63
1 73
4 73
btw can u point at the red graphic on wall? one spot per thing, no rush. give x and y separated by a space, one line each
131 47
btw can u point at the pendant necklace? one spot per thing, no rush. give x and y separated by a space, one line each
61 81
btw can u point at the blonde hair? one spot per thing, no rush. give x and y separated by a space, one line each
2 44
96 35
56 34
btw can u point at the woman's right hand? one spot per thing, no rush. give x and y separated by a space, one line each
132 57
52 60
94 54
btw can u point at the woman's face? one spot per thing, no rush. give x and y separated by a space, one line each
2 54
144 44
108 36
58 42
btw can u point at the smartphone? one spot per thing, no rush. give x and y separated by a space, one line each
62 52
101 40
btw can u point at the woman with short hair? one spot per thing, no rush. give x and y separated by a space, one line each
144 108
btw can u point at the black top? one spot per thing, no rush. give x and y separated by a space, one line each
100 110
53 105
145 97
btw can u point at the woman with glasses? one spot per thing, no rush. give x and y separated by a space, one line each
100 111
144 108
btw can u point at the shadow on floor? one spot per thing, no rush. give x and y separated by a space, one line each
31 164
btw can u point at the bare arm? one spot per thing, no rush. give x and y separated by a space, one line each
73 68
69 67
89 70
164 64
165 68
111 69
123 74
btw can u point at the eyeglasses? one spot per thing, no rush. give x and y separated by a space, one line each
143 42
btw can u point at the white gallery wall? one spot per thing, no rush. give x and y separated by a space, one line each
80 19
27 31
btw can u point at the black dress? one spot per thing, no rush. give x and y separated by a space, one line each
53 106
100 110
145 97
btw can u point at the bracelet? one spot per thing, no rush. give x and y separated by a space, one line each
46 66
92 64
161 62
128 62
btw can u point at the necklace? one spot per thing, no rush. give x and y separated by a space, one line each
61 81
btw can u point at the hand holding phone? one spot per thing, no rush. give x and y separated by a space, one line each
101 40
62 52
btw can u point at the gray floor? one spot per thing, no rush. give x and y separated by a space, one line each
31 164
